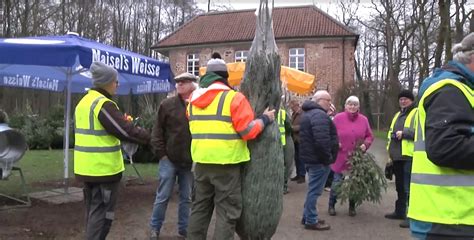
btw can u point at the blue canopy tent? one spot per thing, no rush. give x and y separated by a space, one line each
60 63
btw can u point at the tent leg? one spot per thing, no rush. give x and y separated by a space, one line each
139 175
22 203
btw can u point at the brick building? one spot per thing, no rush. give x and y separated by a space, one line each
307 38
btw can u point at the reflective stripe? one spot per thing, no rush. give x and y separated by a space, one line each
443 180
220 106
412 121
91 132
419 142
248 129
190 110
210 117
91 113
97 149
219 136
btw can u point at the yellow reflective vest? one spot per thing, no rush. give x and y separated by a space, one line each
214 139
409 124
96 153
439 194
281 125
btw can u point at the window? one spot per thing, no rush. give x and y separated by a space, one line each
241 56
297 58
193 64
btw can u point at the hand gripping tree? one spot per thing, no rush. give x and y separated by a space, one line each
262 178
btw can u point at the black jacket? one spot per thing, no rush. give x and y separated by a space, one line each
318 136
395 148
449 129
170 135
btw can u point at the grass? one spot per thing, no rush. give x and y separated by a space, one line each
41 166
380 134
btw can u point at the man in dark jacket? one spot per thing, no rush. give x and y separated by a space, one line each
400 149
318 148
442 180
171 143
98 162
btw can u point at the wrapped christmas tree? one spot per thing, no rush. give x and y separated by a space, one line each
262 178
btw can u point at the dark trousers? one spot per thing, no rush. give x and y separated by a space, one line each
330 179
300 169
402 171
219 186
100 199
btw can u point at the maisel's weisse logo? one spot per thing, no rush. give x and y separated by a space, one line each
28 81
124 63
153 86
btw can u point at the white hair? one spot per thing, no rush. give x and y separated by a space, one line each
352 99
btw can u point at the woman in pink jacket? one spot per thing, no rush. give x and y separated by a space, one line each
354 131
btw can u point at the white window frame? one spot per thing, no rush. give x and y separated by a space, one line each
192 63
241 56
293 61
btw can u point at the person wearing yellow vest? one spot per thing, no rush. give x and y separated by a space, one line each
98 162
284 126
442 180
400 149
221 121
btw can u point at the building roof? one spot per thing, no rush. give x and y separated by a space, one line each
239 26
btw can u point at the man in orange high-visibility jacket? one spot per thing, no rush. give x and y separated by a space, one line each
220 121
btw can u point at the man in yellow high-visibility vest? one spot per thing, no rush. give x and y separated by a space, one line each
400 149
442 180
221 121
98 162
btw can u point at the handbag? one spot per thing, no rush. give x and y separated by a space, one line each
389 170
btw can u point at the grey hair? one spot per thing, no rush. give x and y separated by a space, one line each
462 51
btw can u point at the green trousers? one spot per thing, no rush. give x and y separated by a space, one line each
216 186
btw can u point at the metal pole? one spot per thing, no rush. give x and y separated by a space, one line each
66 129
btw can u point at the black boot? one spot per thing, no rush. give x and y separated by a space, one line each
352 210
332 211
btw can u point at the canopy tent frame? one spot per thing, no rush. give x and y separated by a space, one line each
71 54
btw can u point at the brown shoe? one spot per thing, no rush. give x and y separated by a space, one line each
322 221
317 226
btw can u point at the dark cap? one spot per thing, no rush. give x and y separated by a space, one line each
406 93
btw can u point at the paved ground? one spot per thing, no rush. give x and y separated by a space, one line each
65 221
368 224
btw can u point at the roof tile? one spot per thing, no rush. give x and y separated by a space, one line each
235 26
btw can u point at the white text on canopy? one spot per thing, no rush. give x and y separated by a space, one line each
28 81
122 62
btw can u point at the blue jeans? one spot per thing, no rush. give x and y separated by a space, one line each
317 175
167 174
